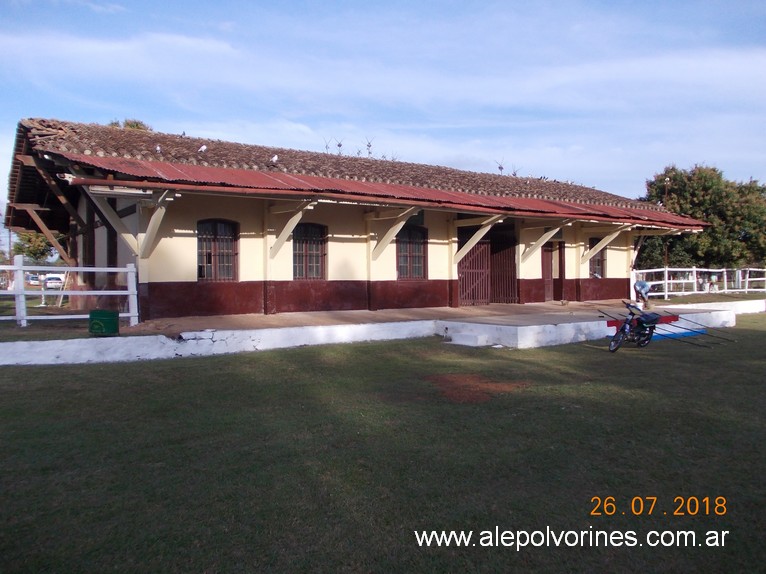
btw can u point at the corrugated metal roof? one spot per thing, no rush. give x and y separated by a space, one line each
275 183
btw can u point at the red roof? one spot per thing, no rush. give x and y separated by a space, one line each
274 184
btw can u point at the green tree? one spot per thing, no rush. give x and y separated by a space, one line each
734 211
33 245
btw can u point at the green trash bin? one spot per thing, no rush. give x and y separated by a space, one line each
104 323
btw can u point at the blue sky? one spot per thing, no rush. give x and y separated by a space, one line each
601 93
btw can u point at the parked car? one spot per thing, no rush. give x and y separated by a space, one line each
54 281
33 279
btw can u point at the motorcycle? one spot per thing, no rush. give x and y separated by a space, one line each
637 328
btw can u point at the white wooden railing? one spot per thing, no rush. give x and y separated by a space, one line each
16 286
668 282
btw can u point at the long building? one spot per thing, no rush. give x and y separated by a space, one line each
217 227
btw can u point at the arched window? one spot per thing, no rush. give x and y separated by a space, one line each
411 248
309 251
217 250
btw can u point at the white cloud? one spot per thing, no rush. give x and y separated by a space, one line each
603 96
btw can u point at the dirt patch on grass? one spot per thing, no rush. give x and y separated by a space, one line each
467 388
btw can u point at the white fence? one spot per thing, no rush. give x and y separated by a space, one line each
668 282
16 286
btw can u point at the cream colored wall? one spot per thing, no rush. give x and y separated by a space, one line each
439 257
383 268
279 265
174 257
573 252
531 268
575 237
618 257
618 254
351 242
441 247
346 244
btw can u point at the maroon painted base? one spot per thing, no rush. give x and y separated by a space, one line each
533 290
292 296
183 299
600 289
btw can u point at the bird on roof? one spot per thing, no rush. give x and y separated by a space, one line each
158 149
275 159
202 149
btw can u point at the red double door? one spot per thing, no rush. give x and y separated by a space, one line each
487 274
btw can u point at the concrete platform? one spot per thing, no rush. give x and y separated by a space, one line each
512 326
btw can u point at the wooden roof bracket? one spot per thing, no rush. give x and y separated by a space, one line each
155 199
114 220
32 210
590 253
298 210
31 161
543 239
485 225
160 206
398 222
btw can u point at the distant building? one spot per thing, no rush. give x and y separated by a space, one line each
217 227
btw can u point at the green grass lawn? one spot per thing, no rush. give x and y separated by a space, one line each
328 459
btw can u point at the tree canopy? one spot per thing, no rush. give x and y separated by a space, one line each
33 245
735 212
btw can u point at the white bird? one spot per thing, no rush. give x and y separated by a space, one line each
158 148
274 159
202 149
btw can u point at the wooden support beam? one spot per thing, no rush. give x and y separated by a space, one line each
29 206
147 244
32 211
543 240
486 225
54 187
590 253
115 221
395 228
290 227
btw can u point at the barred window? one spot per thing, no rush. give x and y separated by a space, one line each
217 250
411 244
309 251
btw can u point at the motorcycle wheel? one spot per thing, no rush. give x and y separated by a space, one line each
617 341
643 339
